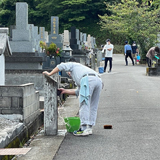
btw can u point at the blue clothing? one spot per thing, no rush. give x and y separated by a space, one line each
127 47
84 90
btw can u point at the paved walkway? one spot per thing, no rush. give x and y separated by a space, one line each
130 103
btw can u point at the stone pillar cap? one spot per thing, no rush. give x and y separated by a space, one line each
4 30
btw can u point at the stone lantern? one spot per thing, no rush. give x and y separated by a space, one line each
67 51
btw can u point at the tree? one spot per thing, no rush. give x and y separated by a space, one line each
136 22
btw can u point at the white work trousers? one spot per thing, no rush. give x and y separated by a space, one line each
88 112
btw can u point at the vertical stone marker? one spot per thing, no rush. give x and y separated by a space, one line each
21 36
50 106
78 38
42 33
73 40
89 41
66 38
54 36
84 38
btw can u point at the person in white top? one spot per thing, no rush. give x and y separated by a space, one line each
108 49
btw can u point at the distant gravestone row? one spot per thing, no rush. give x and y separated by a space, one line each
25 43
25 37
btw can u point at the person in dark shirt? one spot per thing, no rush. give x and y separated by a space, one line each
134 51
127 52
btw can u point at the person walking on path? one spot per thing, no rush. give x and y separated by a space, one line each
108 49
127 52
89 87
134 51
151 53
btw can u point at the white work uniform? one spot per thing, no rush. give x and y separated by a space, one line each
87 111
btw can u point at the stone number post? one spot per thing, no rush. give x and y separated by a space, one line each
50 106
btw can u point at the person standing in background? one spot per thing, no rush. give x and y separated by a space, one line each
108 49
127 52
134 51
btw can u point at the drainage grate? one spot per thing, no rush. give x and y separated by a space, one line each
14 151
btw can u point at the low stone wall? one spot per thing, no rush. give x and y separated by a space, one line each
19 77
20 99
24 61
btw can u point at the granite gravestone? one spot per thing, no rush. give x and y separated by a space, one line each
42 33
73 40
89 41
81 37
78 38
46 37
31 29
21 36
84 38
66 38
37 40
54 36
92 44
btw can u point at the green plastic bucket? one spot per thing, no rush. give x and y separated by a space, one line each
72 123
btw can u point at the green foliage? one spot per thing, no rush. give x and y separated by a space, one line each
134 21
51 50
118 49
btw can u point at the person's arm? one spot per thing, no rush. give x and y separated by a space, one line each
125 49
68 91
109 49
55 70
103 49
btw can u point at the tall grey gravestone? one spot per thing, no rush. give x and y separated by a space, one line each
73 40
78 38
37 40
42 33
84 38
89 41
31 29
81 38
66 38
21 36
92 43
46 37
54 36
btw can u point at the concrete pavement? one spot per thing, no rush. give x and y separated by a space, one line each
130 103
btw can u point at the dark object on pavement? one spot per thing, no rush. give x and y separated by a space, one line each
107 126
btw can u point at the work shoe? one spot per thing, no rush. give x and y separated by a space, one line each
89 131
109 71
81 132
